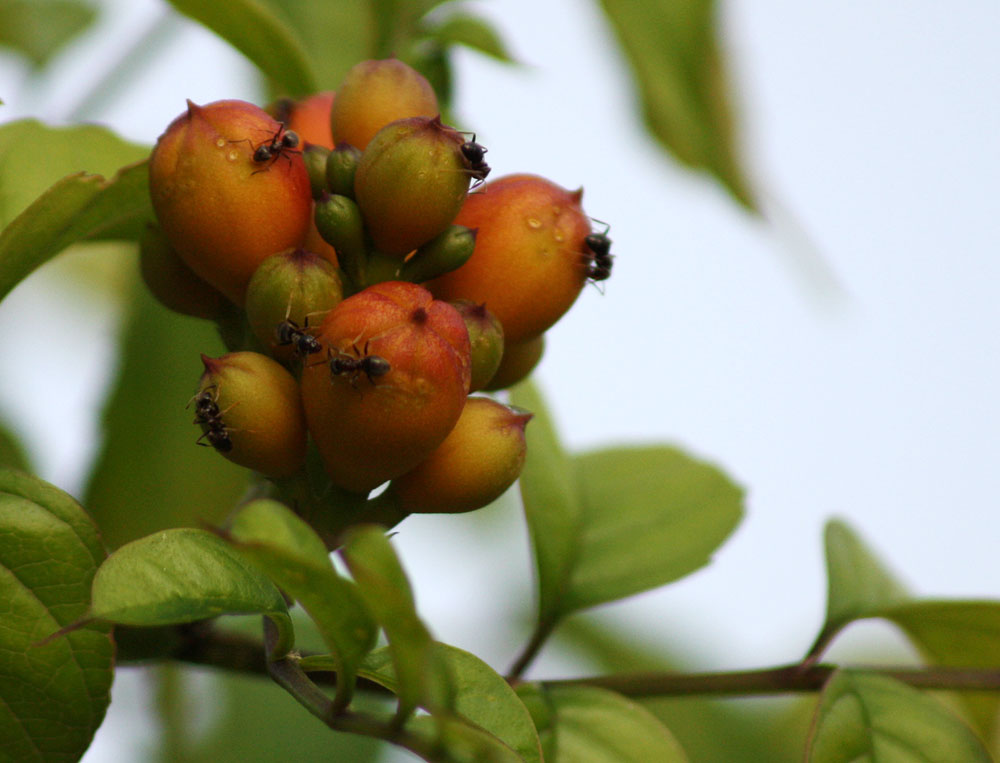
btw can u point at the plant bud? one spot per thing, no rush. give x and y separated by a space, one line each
287 298
338 221
228 190
249 410
308 118
440 255
529 263
315 161
375 93
172 282
518 361
314 242
477 462
411 182
485 341
341 169
394 386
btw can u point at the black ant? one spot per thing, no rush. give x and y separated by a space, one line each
288 332
600 258
205 405
282 143
208 415
473 154
372 366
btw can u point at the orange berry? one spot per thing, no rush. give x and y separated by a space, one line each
221 206
393 387
375 93
310 119
172 282
529 265
477 462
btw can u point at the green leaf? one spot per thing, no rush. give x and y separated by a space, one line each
474 33
680 74
589 725
293 556
12 455
865 717
259 31
460 742
421 679
397 23
180 576
149 474
40 28
482 696
78 207
960 634
551 505
651 515
52 696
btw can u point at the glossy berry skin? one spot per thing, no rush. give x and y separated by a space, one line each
172 282
410 183
517 362
371 427
259 423
222 209
375 93
310 118
485 340
477 462
529 265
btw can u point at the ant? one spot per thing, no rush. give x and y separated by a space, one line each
207 414
288 332
600 258
282 143
473 154
371 366
205 405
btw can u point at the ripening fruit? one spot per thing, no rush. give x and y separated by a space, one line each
411 182
249 410
172 282
375 93
310 118
517 362
477 462
229 189
287 298
529 263
485 341
394 384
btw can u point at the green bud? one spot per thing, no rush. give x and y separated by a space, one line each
440 255
288 293
339 222
485 338
341 166
315 158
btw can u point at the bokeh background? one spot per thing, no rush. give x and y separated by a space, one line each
837 355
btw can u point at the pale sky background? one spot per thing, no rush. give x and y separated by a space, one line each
870 127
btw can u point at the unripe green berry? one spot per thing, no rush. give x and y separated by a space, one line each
485 341
341 167
339 222
440 255
172 282
249 409
375 93
518 361
315 160
477 462
411 183
288 293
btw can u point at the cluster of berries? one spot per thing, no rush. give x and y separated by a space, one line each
377 277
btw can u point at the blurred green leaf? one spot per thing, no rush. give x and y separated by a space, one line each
681 79
651 515
461 742
592 725
150 475
12 454
869 717
52 696
960 634
474 33
420 680
40 28
397 23
482 696
259 31
552 506
180 576
293 556
858 585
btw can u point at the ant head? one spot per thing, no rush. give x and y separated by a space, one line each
473 152
598 243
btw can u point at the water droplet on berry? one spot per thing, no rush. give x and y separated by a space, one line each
534 223
232 156
220 142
